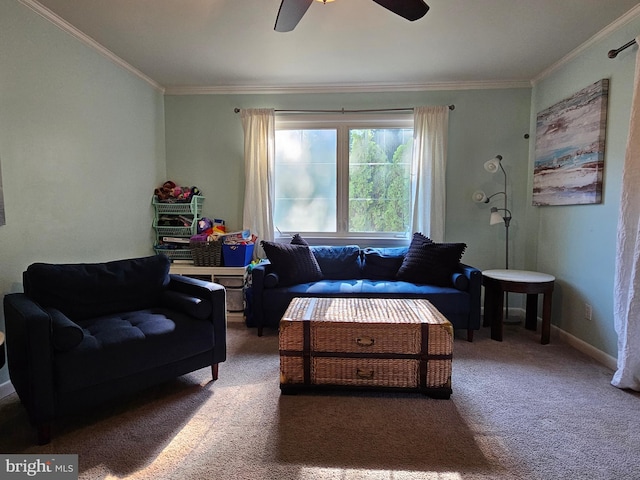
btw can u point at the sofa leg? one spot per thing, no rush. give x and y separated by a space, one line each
214 371
260 331
44 433
470 335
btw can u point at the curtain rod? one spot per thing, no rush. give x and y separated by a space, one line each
407 109
614 53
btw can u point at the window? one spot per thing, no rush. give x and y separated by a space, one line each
344 176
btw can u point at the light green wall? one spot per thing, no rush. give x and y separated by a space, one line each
577 244
205 147
81 148
82 145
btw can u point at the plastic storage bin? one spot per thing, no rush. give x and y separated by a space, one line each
237 255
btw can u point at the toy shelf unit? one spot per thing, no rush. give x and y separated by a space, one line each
175 223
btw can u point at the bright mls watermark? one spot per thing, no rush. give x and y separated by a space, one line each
46 466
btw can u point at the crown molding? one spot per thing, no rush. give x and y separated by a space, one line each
88 41
345 88
613 26
43 11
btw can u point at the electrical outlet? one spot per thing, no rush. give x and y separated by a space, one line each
587 311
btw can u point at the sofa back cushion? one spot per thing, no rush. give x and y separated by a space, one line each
338 262
382 263
86 290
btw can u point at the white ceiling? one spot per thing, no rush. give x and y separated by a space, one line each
347 44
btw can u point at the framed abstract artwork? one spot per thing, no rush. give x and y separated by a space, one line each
569 150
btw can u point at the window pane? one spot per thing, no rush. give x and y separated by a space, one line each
379 180
305 180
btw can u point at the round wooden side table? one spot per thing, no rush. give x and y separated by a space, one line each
497 282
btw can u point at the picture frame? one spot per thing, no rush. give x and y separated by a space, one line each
570 147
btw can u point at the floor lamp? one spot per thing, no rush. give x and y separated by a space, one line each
492 166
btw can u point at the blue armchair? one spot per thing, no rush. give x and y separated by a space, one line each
82 334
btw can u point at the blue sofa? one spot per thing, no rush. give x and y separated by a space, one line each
82 334
351 271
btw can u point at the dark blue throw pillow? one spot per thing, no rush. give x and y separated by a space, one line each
292 263
382 263
431 263
298 240
338 262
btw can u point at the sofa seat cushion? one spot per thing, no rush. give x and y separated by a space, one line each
119 345
446 299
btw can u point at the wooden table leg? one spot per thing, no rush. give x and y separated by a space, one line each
546 317
489 310
531 316
497 300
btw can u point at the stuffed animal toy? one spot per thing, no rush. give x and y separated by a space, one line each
170 192
204 224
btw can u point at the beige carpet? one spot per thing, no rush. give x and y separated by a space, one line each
518 410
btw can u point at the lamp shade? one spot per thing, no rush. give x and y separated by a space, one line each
495 217
480 197
493 165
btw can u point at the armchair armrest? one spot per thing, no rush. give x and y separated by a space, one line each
216 295
259 282
196 307
30 350
475 288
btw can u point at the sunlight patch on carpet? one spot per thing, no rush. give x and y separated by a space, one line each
370 474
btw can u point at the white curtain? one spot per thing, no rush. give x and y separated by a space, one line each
259 158
428 195
626 301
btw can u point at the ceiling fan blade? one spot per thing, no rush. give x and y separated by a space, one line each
290 13
409 9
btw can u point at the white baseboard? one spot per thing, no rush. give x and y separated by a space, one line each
580 345
6 388
235 317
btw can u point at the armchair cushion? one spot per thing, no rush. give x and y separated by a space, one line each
122 344
82 291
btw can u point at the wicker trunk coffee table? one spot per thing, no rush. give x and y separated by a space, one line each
403 344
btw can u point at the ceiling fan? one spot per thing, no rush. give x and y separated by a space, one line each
291 11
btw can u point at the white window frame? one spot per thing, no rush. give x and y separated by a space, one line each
343 122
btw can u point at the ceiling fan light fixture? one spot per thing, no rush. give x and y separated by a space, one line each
292 11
